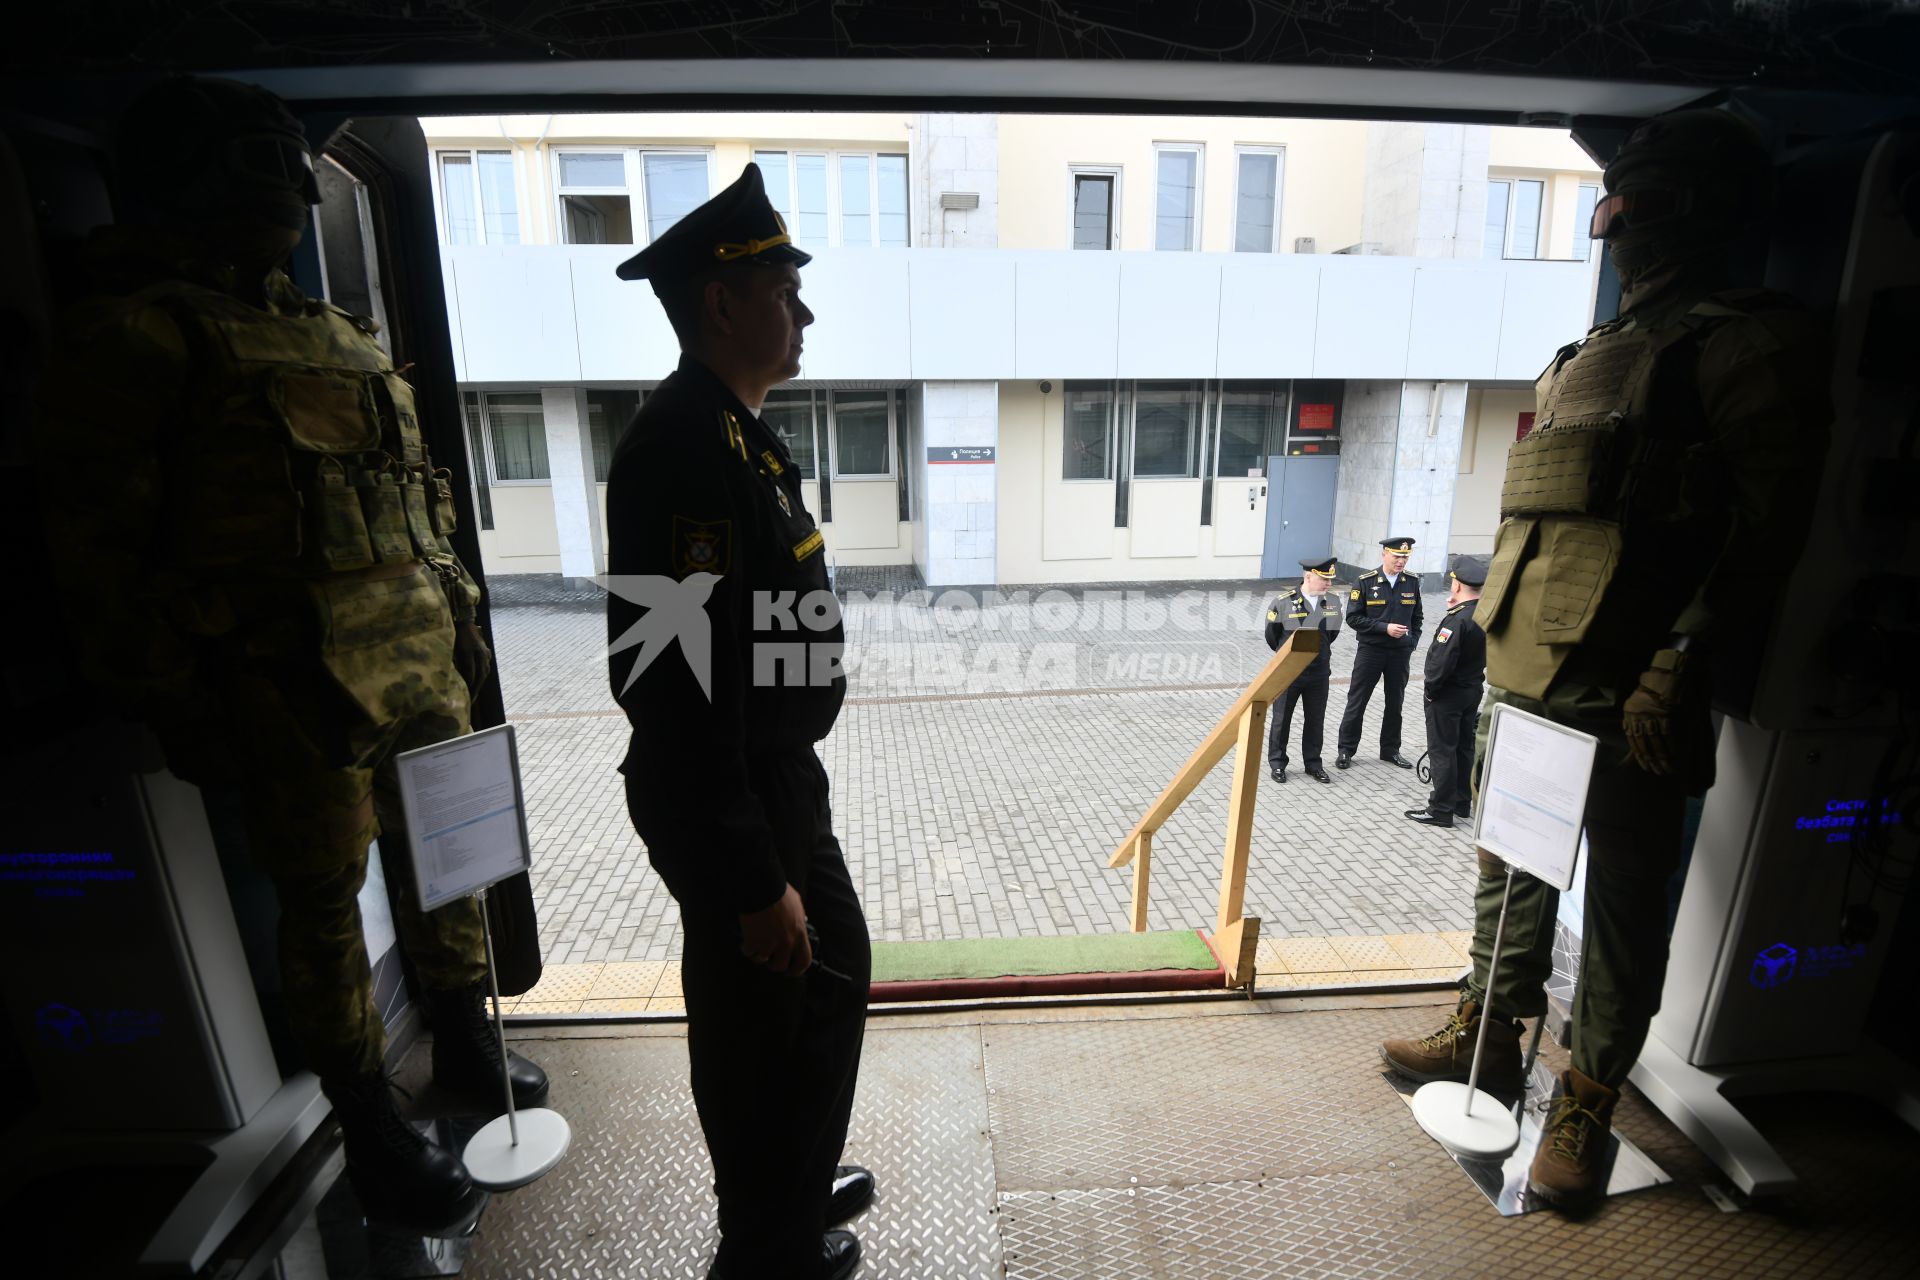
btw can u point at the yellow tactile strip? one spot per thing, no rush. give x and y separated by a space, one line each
653 986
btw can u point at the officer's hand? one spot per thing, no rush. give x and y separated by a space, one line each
1396 629
1650 714
471 657
775 937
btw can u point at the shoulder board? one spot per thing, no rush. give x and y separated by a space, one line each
1410 576
735 438
1371 573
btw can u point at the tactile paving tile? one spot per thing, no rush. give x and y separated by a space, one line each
561 983
1364 954
1309 955
627 980
1424 951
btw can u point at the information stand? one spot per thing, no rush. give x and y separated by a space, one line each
1533 796
467 831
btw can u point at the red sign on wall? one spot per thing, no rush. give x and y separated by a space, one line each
1316 417
1526 425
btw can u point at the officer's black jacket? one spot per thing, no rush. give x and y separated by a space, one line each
1372 604
1292 610
1457 658
697 486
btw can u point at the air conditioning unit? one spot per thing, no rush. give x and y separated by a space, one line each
1303 244
1368 248
959 199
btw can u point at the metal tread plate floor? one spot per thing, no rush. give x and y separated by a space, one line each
1217 1141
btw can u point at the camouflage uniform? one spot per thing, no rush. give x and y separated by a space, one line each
260 569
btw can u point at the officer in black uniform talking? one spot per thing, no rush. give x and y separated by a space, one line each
1310 605
1456 677
1383 609
726 656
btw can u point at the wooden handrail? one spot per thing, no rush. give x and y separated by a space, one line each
1293 656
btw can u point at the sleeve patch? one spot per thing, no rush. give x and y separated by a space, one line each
1441 636
701 546
1273 615
1354 594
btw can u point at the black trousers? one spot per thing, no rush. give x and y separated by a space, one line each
1452 719
1312 698
774 1058
1373 663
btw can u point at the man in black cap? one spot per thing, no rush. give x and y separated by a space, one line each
1456 670
711 545
1384 611
1310 604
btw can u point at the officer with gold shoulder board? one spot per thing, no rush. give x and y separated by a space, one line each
1384 612
1664 461
258 565
1311 604
1455 676
712 546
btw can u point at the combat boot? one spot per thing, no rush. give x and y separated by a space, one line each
466 1053
399 1176
1447 1054
1570 1170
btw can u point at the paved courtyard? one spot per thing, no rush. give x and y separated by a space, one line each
994 749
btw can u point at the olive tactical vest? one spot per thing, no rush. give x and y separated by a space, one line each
300 467
1617 414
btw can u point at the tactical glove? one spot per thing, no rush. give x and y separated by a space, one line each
471 657
1652 714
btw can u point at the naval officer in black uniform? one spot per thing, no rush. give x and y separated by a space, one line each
1383 609
1311 604
726 647
1455 678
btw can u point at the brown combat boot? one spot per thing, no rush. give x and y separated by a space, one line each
1569 1171
1447 1054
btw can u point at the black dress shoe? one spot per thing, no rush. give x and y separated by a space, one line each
1280 774
1317 773
1397 760
852 1192
1428 818
1463 814
839 1257
1343 761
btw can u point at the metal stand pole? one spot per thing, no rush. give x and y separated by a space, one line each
499 1026
1493 966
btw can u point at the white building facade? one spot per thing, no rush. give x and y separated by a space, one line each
1049 349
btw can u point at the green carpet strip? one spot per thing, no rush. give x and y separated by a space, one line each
1029 957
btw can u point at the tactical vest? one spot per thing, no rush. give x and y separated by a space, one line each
300 472
1618 412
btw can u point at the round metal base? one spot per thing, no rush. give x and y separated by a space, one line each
496 1162
1441 1109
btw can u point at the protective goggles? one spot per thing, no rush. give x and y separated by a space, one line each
274 160
1641 207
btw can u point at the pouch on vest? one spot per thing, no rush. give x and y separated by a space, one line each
386 514
340 538
325 410
413 487
1510 542
388 643
1581 555
446 519
395 400
1560 469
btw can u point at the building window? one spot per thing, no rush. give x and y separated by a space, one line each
1583 222
596 192
1313 424
1256 201
595 207
477 457
608 415
1089 424
862 428
1094 202
516 436
1176 198
790 414
1513 218
1253 427
1166 429
476 198
868 190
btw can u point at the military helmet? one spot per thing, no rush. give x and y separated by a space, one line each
197 148
1683 181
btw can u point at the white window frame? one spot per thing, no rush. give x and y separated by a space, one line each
833 435
1199 150
486 439
1077 171
1196 431
836 197
1513 181
1114 406
473 175
1579 229
636 188
1279 153
815 412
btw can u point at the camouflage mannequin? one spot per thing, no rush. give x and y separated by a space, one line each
1657 471
261 571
